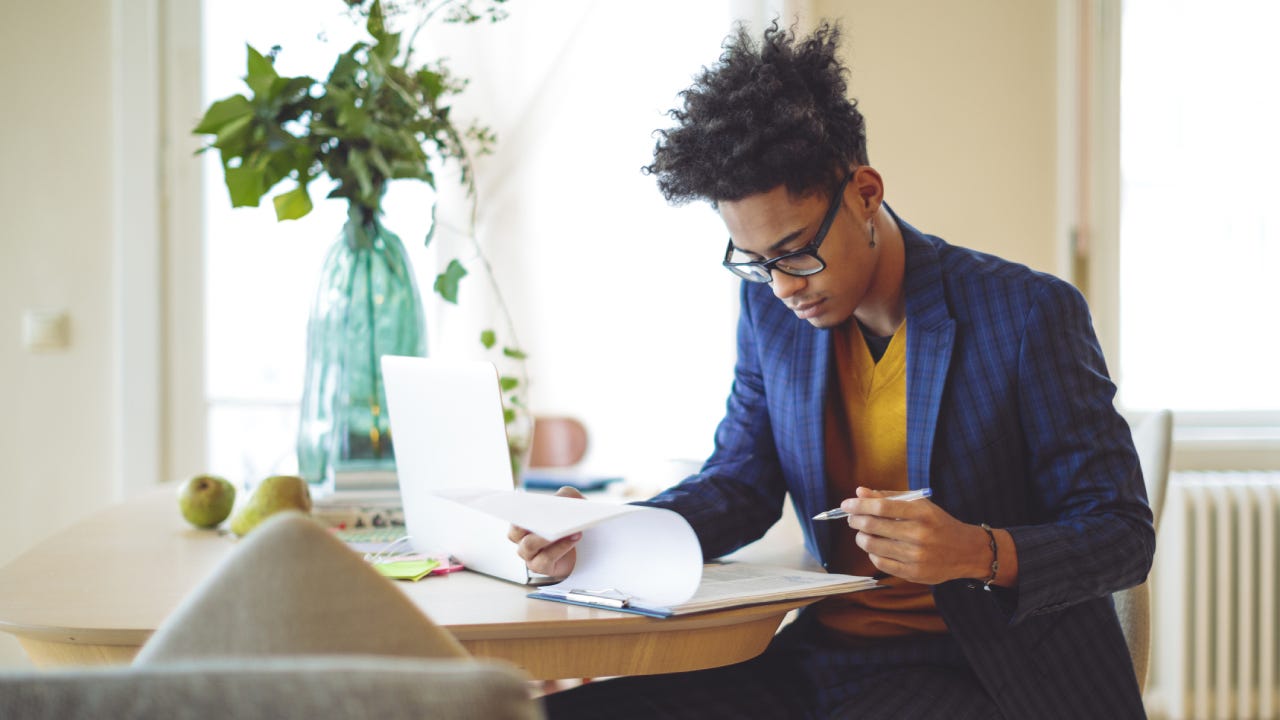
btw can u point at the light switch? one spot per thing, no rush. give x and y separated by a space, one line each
46 330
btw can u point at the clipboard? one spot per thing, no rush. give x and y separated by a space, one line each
722 585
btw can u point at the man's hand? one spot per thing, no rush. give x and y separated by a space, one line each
554 558
917 540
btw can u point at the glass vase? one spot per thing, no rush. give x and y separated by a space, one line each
367 305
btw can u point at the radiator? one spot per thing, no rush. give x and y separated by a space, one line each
1215 639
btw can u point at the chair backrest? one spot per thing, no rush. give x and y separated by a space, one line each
286 688
1152 437
557 442
291 588
293 624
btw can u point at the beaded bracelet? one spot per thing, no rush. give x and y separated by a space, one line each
995 557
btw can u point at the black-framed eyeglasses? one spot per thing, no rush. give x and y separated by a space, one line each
801 263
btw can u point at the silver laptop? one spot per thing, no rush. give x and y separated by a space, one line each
448 433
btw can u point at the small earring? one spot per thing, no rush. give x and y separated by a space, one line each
872 226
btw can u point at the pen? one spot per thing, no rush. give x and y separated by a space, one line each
904 496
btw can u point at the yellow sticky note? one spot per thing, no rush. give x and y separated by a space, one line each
413 570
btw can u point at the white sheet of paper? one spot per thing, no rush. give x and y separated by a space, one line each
649 554
723 582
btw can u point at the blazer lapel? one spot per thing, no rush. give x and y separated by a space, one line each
930 337
810 359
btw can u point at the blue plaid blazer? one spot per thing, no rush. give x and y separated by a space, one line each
1010 421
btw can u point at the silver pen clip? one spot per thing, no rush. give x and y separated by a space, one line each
607 597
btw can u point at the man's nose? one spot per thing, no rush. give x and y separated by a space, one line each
784 285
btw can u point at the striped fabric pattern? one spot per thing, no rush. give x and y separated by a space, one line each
1010 421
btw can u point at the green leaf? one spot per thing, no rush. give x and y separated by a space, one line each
514 353
377 22
245 185
261 74
388 47
222 112
431 231
432 84
344 70
508 415
508 383
488 338
231 135
293 204
447 282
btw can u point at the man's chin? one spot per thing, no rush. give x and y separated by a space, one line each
827 320
823 322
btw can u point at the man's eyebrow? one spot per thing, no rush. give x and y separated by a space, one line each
787 240
790 238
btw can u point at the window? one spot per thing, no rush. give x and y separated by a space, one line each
1200 205
617 349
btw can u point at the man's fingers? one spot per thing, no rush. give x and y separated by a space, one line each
889 548
548 558
554 558
886 508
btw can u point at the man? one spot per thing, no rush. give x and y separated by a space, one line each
886 360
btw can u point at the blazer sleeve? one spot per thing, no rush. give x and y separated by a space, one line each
738 493
1082 463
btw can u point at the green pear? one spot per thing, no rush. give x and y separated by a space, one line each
206 500
276 493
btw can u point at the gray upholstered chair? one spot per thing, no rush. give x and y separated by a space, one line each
291 588
292 625
281 688
1153 438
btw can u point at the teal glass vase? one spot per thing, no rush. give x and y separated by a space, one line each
367 305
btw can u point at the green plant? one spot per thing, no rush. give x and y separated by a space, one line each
378 117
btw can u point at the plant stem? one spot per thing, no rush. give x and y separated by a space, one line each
413 38
470 232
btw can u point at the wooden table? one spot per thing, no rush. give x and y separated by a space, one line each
93 594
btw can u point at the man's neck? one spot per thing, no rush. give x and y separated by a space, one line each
884 308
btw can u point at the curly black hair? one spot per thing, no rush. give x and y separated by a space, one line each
764 115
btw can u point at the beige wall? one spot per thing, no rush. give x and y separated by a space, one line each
960 101
56 434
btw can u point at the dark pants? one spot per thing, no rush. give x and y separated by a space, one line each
802 674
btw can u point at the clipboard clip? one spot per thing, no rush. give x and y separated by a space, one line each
606 597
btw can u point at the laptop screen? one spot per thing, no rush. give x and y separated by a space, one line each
448 432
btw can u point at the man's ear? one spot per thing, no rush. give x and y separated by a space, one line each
867 188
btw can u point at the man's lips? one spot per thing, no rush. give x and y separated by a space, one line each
806 310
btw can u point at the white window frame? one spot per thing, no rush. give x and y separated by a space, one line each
158 226
1089 39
